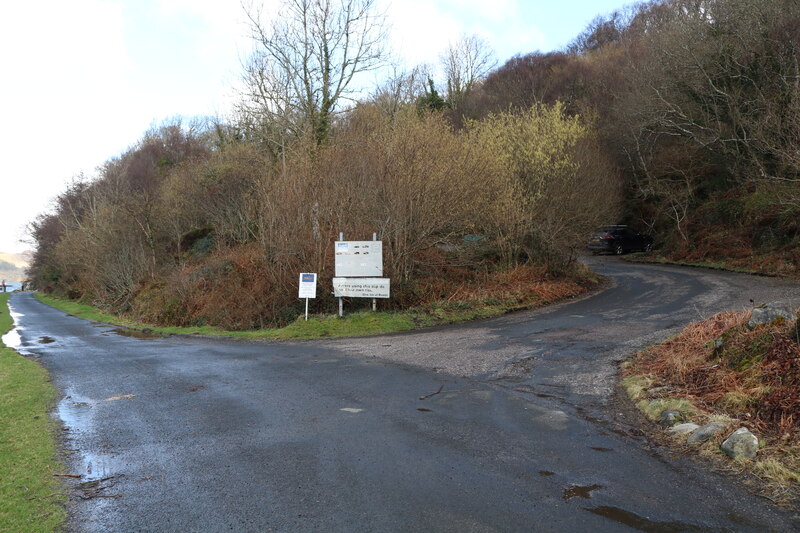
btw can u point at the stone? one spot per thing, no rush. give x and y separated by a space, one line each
704 433
670 418
683 429
741 444
768 313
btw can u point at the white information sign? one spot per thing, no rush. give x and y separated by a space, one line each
308 286
358 259
361 287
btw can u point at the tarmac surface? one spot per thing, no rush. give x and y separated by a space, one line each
498 425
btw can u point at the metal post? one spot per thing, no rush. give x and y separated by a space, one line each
374 300
306 309
341 304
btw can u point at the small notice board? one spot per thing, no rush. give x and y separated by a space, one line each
308 285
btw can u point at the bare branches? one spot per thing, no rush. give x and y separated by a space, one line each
305 63
466 62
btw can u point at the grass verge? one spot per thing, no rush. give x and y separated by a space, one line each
353 324
722 369
31 499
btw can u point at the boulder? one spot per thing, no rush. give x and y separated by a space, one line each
683 429
741 444
670 418
704 433
768 313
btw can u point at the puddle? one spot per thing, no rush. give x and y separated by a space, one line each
46 340
138 334
641 523
546 473
423 409
580 492
77 414
12 338
601 449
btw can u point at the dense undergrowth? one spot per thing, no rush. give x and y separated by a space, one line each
721 367
750 229
439 303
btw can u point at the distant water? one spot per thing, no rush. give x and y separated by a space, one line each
12 286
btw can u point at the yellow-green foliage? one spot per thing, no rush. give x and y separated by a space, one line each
567 186
536 146
31 499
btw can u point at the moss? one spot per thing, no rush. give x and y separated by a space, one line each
636 385
740 350
653 408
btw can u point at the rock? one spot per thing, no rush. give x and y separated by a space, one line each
683 429
741 444
670 418
704 433
766 314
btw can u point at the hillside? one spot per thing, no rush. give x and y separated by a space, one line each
12 266
678 118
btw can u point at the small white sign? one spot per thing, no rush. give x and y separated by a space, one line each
361 287
308 285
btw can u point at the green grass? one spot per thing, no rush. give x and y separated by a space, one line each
31 498
317 326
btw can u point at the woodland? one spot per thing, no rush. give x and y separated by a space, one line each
678 117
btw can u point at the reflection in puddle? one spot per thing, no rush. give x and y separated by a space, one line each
546 473
12 338
77 414
601 449
580 492
635 521
46 340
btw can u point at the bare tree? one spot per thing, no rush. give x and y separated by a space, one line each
306 61
401 89
465 63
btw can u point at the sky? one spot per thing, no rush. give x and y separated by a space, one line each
82 80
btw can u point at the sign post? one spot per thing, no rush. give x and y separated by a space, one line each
308 288
359 270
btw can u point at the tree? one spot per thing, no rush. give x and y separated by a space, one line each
306 61
465 63
431 101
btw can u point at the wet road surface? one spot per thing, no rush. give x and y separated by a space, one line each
500 425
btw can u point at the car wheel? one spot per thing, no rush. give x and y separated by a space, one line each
618 249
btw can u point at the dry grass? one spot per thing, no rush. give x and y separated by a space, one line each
734 373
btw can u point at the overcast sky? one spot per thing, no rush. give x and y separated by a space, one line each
82 80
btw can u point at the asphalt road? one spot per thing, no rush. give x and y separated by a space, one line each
516 431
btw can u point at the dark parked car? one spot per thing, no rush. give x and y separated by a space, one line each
618 240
